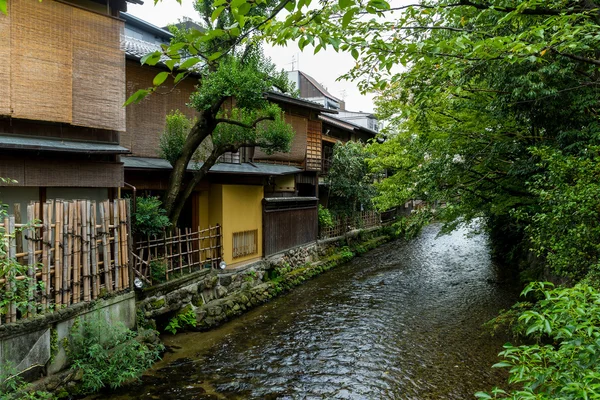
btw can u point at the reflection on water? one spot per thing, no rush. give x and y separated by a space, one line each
401 322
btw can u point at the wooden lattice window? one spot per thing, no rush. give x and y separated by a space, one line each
245 243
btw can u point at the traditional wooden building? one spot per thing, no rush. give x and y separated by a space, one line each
61 95
263 203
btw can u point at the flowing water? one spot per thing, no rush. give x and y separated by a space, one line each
401 322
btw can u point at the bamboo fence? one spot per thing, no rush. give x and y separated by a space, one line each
343 225
75 251
179 251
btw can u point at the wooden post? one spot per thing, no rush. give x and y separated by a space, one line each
68 259
31 232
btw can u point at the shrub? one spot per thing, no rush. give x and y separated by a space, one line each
183 319
158 270
149 218
325 218
563 362
13 387
107 354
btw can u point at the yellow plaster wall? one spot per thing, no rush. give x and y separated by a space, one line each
242 211
203 203
215 205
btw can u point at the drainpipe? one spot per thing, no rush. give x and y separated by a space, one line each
134 206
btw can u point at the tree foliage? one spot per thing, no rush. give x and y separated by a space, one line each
495 113
562 363
349 180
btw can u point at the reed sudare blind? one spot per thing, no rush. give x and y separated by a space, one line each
65 65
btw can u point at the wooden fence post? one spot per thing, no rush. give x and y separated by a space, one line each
117 245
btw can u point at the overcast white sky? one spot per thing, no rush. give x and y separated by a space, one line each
325 67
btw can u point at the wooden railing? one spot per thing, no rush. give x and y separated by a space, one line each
343 225
177 252
72 251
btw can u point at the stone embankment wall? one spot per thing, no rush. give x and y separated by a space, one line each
34 346
216 296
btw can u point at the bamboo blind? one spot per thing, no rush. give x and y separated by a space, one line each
98 71
180 250
63 64
41 60
298 147
5 48
79 251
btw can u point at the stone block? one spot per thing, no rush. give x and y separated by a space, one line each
23 351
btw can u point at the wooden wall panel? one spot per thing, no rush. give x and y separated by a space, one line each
98 66
288 228
41 60
5 50
146 120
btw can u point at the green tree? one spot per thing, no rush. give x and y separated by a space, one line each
349 180
227 70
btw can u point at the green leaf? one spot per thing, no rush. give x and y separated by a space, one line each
347 18
4 7
216 13
160 78
179 77
345 3
137 97
190 62
482 395
354 53
214 56
151 58
290 5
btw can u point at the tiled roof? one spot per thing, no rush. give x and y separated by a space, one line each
136 48
221 168
58 145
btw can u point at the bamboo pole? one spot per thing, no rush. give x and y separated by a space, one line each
68 259
31 309
57 253
124 248
129 238
18 221
93 249
76 252
85 224
9 232
117 245
45 258
108 282
65 252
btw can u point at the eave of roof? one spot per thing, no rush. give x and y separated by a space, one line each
320 87
145 25
147 163
15 142
284 98
344 124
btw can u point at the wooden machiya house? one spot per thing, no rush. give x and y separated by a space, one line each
61 94
263 203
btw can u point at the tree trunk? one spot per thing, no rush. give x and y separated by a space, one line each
201 130
196 178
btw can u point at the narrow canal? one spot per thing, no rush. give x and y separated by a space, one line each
401 322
